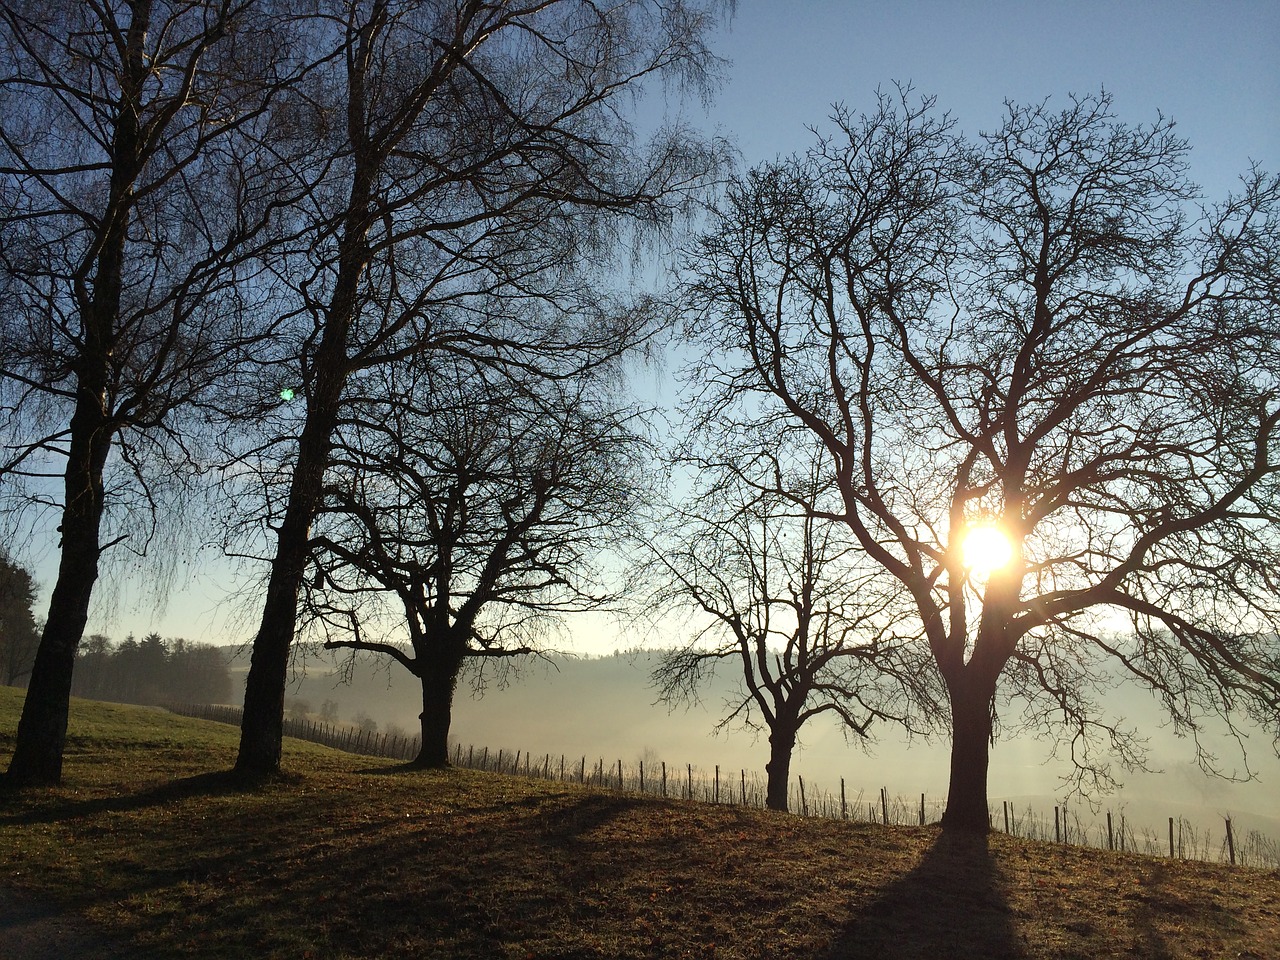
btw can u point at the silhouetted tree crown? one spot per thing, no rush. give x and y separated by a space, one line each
1045 329
468 516
474 175
774 587
135 197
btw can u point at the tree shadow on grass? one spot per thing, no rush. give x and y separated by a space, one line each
54 809
952 904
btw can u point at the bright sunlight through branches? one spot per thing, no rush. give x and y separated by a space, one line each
984 549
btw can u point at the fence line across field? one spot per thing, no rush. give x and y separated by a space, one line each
746 788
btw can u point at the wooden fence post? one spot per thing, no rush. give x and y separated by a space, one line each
884 804
1231 843
1171 836
1111 839
804 807
664 778
844 807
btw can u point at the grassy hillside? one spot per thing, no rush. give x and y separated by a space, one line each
345 859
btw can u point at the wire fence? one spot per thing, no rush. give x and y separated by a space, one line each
1182 839
350 739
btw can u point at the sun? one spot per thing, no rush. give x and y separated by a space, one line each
985 548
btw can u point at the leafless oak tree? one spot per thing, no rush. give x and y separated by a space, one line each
1040 329
776 586
468 517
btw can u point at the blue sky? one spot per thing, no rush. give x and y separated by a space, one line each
1212 66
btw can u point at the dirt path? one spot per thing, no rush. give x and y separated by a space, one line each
33 931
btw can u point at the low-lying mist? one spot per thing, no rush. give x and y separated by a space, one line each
604 708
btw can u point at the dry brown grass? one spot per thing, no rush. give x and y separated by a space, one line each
344 859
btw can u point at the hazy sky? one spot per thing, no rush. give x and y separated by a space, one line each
1212 66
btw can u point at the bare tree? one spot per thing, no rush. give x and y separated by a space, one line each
470 514
777 587
1041 332
478 164
128 203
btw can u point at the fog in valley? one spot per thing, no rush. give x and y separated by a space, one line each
604 708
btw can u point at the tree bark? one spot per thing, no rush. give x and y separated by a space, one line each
42 730
971 726
782 740
262 724
439 681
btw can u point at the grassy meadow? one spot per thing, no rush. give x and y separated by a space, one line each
157 853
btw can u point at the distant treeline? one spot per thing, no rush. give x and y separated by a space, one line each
152 670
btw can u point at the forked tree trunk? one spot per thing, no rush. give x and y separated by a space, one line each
971 702
439 681
782 741
42 730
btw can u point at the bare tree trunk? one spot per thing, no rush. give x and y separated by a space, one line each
262 725
971 726
782 741
42 731
439 681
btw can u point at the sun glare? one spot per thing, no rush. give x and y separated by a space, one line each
985 548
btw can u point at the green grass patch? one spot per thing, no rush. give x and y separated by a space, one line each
346 857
